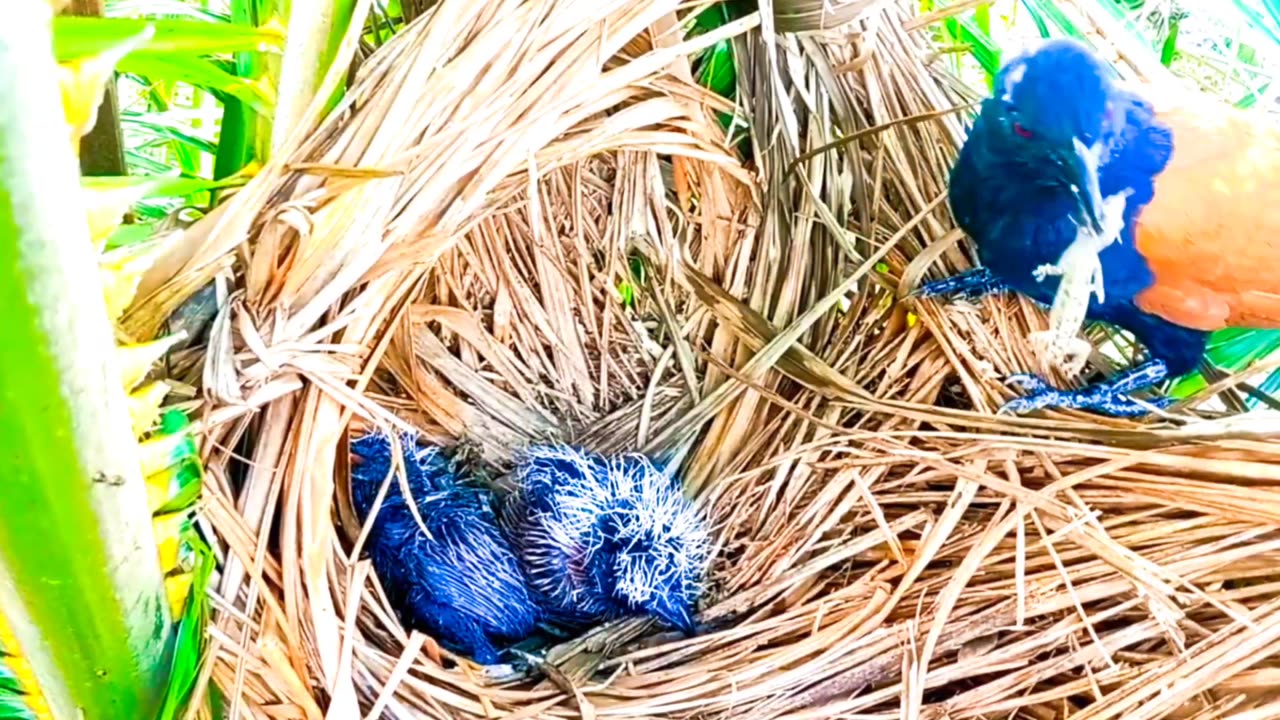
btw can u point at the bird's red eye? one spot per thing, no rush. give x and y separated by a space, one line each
1017 127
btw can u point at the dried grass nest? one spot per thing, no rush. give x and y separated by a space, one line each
444 253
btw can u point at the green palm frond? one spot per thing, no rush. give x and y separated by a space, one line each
19 692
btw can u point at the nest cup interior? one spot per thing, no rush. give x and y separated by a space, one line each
602 268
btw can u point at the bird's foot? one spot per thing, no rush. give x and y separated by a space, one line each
970 285
1111 397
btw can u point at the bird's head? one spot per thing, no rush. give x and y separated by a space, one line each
371 461
655 576
428 469
655 545
1051 120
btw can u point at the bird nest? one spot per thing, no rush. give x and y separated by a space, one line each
525 224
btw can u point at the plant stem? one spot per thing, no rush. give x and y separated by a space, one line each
80 581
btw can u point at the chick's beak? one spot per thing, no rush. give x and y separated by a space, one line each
1082 173
677 615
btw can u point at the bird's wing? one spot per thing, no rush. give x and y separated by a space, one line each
1211 234
469 566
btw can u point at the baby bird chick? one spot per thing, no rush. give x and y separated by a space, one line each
602 538
454 575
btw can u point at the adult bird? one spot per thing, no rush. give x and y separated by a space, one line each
1201 238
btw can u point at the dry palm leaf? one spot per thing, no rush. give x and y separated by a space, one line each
523 223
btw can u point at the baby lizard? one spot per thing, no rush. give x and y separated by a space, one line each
1081 271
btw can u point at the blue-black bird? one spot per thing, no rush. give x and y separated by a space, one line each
606 537
1201 239
454 576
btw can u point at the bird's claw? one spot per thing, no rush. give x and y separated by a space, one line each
504 672
1028 383
1104 398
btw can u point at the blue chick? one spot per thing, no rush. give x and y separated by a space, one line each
458 579
603 538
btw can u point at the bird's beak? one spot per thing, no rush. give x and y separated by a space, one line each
1083 176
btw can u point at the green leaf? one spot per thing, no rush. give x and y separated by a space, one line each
161 125
189 646
1252 98
982 19
1169 48
717 71
241 127
984 50
1037 17
1247 54
1047 11
1273 9
159 131
1259 22
14 707
384 21
1270 386
1233 350
16 703
140 162
236 143
627 293
161 9
154 187
9 684
246 134
1118 11
197 557
639 271
202 73
130 234
77 37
